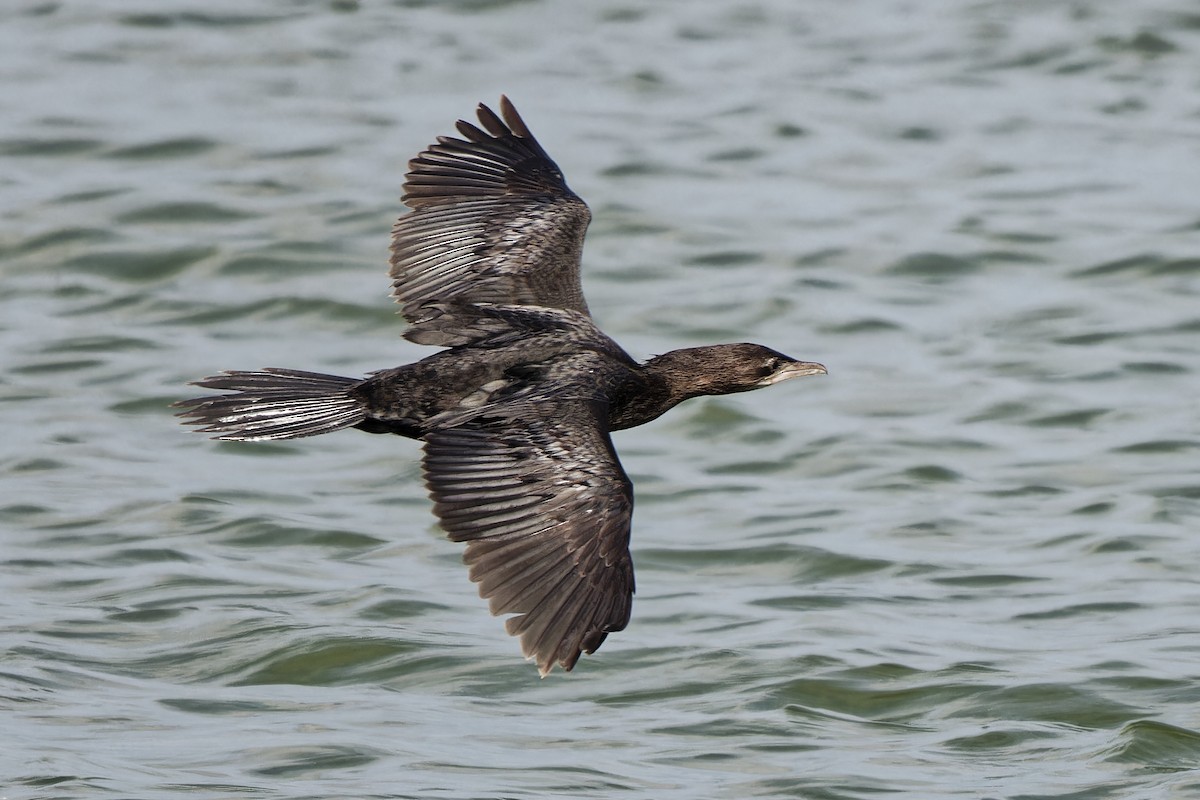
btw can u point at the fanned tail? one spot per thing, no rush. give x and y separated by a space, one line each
273 404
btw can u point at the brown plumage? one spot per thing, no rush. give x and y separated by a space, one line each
516 413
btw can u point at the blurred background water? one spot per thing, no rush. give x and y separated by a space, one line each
964 565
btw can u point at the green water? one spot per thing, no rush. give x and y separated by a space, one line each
964 565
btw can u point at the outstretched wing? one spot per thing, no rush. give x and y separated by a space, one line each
492 222
544 508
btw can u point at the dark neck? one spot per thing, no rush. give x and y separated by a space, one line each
666 381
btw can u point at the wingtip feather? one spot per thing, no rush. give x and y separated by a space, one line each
515 123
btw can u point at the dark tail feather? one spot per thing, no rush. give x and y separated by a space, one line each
273 404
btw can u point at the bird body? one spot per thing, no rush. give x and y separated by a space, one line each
515 414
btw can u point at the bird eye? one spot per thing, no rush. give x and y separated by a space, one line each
769 367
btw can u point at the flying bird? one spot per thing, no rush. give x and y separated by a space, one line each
515 412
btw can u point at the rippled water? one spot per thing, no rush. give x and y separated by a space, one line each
963 565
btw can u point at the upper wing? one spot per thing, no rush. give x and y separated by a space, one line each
492 221
544 507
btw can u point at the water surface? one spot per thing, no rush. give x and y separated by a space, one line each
962 566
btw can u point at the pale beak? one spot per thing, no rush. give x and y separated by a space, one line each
797 369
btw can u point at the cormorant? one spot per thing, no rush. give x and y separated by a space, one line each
515 414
